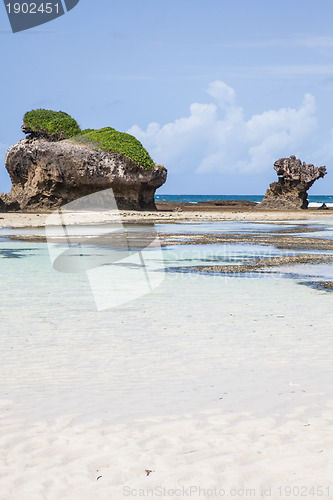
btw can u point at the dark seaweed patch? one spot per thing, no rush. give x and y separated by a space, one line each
13 253
325 286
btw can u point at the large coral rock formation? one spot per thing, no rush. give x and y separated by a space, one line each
46 173
295 179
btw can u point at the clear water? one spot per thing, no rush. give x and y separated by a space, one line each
23 261
56 344
323 228
220 227
326 234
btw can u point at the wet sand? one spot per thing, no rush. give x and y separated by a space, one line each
170 212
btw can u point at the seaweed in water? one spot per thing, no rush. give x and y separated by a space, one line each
325 286
11 253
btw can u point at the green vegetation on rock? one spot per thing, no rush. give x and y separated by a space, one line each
58 125
109 139
50 122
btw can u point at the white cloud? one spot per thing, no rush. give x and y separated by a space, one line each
222 93
216 137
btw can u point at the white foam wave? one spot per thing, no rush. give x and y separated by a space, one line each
314 204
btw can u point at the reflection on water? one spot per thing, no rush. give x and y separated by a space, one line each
320 229
218 254
221 227
326 234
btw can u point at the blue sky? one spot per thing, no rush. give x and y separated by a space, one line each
216 90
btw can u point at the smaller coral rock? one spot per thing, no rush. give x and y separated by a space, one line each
295 178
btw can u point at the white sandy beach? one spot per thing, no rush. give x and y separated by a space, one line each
221 387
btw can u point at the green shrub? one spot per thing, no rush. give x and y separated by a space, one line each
59 125
109 139
50 122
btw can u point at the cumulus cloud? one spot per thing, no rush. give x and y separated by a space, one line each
216 137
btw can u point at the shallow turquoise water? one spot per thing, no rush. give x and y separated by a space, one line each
55 344
23 261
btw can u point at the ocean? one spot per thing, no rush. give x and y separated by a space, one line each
314 201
